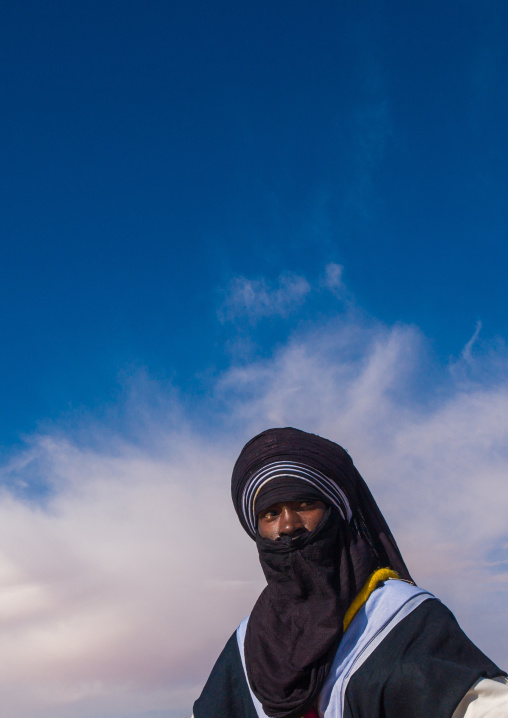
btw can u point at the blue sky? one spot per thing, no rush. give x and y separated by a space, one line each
154 151
218 217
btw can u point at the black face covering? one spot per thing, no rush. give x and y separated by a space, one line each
292 631
296 624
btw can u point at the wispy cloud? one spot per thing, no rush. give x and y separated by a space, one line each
333 279
118 593
468 349
255 299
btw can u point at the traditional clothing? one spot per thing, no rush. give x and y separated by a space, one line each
340 627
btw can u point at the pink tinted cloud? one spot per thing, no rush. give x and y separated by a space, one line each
118 593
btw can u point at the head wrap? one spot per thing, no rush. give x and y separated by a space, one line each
296 624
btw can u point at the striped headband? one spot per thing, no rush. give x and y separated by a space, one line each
277 469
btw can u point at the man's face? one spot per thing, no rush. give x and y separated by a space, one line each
290 518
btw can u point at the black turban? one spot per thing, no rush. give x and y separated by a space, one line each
296 624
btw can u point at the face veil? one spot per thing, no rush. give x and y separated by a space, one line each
296 624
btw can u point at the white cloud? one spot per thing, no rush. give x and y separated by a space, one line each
467 352
332 279
118 595
255 299
108 595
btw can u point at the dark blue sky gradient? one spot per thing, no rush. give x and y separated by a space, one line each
152 151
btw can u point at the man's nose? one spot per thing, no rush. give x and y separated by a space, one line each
290 523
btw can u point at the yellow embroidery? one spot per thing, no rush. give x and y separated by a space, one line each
382 574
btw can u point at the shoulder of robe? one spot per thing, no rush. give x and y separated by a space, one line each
422 668
226 693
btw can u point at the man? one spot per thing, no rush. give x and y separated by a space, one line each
341 630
